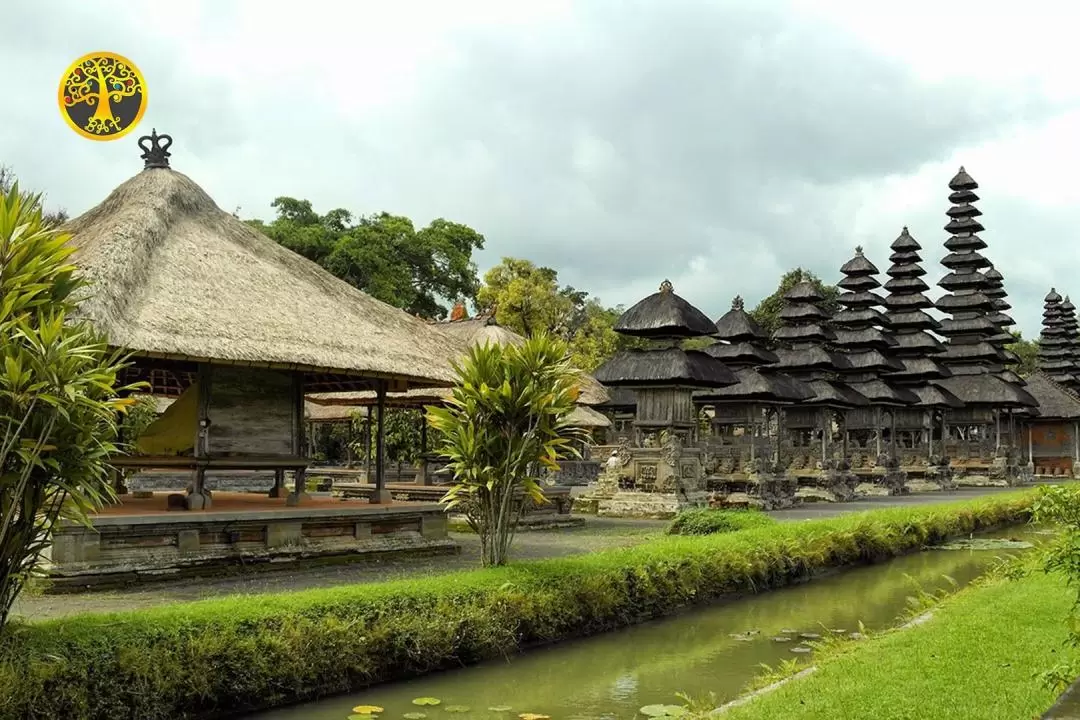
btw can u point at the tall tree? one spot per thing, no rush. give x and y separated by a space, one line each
767 312
1027 351
527 299
384 255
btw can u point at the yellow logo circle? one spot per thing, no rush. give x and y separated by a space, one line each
102 96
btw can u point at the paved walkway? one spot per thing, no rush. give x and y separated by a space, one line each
597 534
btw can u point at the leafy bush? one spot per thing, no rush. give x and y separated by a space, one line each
707 521
231 655
58 401
508 420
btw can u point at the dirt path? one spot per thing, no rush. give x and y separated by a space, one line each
597 534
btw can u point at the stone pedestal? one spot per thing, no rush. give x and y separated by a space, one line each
887 479
826 484
634 504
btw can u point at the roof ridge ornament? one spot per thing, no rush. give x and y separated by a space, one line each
859 250
666 287
155 150
737 303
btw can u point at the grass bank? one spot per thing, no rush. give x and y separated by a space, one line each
979 656
225 656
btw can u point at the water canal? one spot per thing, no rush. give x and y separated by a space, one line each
717 649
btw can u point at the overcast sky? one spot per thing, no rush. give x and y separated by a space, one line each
621 142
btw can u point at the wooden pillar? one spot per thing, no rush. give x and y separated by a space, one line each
877 431
752 428
381 494
350 436
826 428
930 436
299 493
367 446
422 464
997 430
1076 442
198 497
1031 452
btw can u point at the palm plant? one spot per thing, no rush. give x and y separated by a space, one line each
505 423
58 401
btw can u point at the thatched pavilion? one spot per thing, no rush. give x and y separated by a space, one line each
465 333
237 328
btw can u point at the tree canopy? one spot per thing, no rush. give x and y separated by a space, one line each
527 299
1027 351
767 312
384 255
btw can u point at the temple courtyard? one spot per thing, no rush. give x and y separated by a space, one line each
596 534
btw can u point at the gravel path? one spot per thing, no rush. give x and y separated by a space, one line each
597 534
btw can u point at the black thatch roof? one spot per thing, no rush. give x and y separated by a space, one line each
987 389
1056 348
736 325
619 398
1056 401
664 366
741 354
758 386
830 393
932 396
664 315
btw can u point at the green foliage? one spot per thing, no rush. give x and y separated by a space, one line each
1027 351
767 312
231 655
57 398
54 218
1060 505
138 417
504 424
706 521
384 255
527 299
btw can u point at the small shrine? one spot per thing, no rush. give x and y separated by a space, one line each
743 443
919 429
981 448
868 348
815 438
659 469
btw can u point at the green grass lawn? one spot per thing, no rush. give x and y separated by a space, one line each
978 657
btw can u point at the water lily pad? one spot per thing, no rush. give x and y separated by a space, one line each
789 631
534 716
362 716
500 708
984 544
838 631
367 709
414 716
456 709
781 638
809 636
427 701
663 711
801 649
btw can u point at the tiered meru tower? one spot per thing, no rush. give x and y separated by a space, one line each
919 428
976 438
661 470
743 449
1055 349
862 335
815 434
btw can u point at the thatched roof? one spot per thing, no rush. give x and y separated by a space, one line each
736 324
664 315
175 276
313 412
621 398
666 366
586 417
986 389
480 330
757 386
1056 401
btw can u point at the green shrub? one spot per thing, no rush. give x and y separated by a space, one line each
231 655
707 521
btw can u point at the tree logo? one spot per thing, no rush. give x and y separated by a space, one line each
102 96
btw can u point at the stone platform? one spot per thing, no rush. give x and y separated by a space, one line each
560 498
140 540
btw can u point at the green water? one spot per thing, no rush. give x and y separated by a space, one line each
612 675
